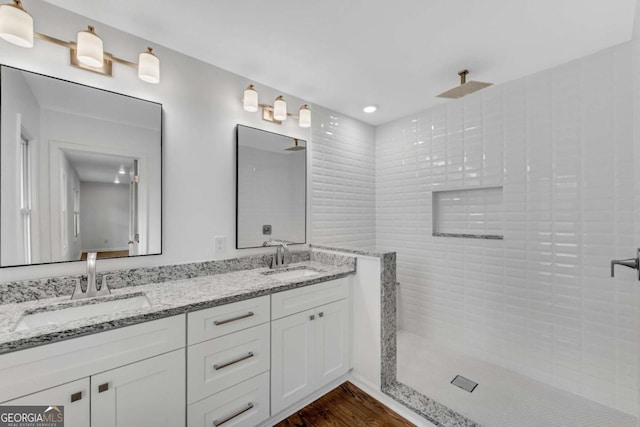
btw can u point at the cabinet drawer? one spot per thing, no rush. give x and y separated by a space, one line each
301 299
215 365
218 321
26 371
243 405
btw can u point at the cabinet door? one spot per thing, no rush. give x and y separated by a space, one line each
333 335
74 396
292 352
146 393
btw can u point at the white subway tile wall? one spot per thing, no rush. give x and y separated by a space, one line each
342 181
541 301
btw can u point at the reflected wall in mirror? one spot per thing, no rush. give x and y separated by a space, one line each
80 171
271 188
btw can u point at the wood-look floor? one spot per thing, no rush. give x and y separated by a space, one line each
345 406
106 255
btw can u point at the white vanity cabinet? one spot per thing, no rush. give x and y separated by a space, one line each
74 396
228 373
311 348
132 376
146 393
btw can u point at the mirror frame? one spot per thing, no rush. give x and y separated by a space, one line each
306 184
161 165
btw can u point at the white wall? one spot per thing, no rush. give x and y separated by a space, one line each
540 302
201 107
104 217
22 113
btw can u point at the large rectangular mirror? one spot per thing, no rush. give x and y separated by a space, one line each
272 188
80 171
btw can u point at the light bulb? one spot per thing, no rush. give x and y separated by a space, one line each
117 180
250 101
304 117
121 171
90 50
280 109
149 67
16 25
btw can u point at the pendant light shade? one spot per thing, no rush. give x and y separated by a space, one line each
16 25
250 101
90 50
280 109
304 117
149 67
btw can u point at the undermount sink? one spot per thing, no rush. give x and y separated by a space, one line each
69 314
297 273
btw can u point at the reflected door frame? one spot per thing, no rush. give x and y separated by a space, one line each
56 148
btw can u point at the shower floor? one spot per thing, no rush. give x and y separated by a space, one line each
502 398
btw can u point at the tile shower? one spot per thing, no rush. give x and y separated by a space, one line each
541 303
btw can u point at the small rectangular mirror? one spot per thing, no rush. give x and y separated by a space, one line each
271 201
80 171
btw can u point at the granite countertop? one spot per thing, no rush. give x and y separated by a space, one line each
167 299
372 252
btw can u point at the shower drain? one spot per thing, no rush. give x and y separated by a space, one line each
464 383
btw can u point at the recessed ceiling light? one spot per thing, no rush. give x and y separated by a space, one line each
370 109
122 171
117 180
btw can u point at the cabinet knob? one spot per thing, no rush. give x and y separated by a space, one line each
321 314
312 317
76 396
103 387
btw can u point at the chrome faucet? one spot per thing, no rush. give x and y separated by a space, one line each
91 288
281 258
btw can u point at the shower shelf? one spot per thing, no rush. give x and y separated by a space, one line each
470 213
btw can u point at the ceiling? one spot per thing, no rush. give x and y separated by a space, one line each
103 168
345 55
60 95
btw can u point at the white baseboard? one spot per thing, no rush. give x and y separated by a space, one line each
387 401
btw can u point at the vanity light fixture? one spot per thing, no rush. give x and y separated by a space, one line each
304 117
90 49
87 52
250 100
16 25
276 113
280 109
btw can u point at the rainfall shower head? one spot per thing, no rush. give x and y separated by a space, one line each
465 87
296 147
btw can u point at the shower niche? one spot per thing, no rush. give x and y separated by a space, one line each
475 213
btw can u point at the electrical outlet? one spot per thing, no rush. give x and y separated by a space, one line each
220 245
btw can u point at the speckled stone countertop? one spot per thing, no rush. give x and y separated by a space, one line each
372 252
167 299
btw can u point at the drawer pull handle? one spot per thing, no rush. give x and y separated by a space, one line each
221 421
233 319
321 314
312 317
103 387
233 362
76 396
